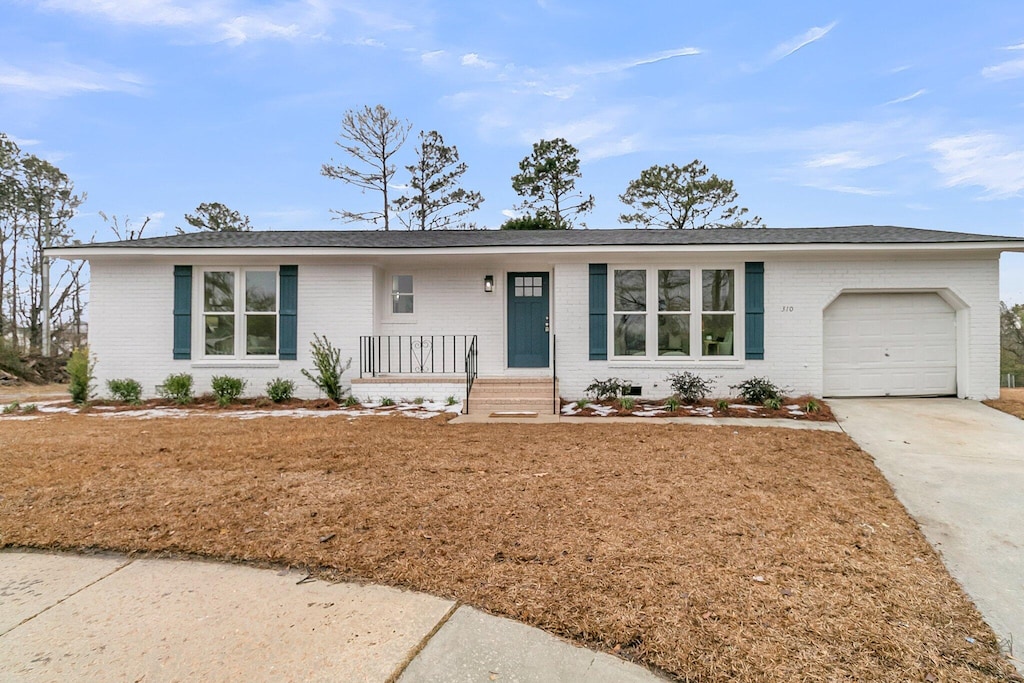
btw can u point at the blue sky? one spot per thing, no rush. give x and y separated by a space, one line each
823 113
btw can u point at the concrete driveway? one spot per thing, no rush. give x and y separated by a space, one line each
958 468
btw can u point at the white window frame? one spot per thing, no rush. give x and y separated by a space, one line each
696 313
394 295
239 312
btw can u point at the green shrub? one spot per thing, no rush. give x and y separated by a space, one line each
812 406
773 403
627 402
538 222
610 388
351 401
12 407
125 390
387 401
80 368
582 403
672 404
177 388
757 390
227 389
280 390
450 401
418 401
689 387
722 404
29 408
329 370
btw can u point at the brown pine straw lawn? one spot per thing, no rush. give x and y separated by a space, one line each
1010 401
642 540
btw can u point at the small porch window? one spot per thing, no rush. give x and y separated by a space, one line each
401 294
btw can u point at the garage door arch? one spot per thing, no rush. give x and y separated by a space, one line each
894 343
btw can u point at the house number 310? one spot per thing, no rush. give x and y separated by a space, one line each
787 309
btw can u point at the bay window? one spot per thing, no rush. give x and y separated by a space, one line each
695 315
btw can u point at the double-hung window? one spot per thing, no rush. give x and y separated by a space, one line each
401 294
673 313
240 313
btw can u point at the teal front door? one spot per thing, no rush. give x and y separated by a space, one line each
528 320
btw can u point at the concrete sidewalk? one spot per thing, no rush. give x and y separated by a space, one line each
107 617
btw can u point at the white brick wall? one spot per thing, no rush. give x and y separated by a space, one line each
131 325
131 321
793 339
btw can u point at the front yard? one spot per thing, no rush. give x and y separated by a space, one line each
712 553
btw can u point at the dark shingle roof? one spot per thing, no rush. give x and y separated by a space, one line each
441 239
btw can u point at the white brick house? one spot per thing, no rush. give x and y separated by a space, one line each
854 311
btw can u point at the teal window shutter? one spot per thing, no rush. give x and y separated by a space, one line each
182 312
755 310
289 310
598 311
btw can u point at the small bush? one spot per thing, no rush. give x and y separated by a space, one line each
757 390
812 407
351 401
689 387
12 407
177 388
280 390
672 404
29 408
125 390
387 401
627 402
613 387
450 401
10 360
722 404
773 403
227 389
418 401
329 370
80 368
582 403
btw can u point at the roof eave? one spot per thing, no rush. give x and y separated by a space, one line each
87 252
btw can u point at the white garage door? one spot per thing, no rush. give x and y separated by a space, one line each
890 345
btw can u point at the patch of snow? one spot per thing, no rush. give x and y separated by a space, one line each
650 412
22 417
603 411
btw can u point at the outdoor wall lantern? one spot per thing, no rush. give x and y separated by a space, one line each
488 283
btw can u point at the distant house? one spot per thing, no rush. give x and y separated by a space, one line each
847 311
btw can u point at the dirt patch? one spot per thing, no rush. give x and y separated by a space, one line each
1010 401
712 553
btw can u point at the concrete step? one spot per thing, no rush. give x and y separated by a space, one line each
493 394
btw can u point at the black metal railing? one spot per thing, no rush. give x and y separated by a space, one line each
554 374
470 372
417 354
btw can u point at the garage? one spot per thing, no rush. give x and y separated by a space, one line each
890 344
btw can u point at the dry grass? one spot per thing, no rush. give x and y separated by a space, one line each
711 553
1010 401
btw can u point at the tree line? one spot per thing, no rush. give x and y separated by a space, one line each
663 196
37 201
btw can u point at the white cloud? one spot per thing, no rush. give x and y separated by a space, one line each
472 59
981 159
1004 71
850 160
907 98
217 20
848 189
433 57
509 213
1018 46
814 34
23 142
600 68
367 42
63 79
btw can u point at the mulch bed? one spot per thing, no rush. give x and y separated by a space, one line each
711 553
1010 401
706 408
